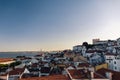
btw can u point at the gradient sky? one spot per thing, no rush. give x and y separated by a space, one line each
56 24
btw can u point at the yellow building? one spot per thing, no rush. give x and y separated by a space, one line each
105 65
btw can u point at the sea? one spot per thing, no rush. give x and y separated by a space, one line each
15 54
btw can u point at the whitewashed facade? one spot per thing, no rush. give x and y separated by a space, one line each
113 61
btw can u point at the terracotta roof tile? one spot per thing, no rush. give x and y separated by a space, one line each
51 77
111 54
6 59
17 71
34 65
84 74
83 65
45 69
115 74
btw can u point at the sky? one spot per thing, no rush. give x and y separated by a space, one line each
28 25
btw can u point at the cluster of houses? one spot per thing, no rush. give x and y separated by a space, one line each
99 61
102 51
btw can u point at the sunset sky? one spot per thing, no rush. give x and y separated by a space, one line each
56 24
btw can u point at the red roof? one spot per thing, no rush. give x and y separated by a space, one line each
34 65
51 77
115 74
17 71
6 59
83 65
76 74
83 74
110 54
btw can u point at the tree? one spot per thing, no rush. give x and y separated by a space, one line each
3 65
15 64
85 44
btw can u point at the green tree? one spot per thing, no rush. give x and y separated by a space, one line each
15 64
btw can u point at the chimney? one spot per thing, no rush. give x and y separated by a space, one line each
109 75
92 74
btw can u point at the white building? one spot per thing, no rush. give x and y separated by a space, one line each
117 49
95 40
118 41
109 59
113 61
111 49
84 51
100 42
34 60
15 74
77 48
116 63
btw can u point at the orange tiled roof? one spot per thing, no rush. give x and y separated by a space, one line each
17 71
76 74
83 65
6 59
34 65
80 74
115 74
51 77
111 54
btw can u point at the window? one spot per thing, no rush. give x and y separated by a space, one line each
109 61
115 67
114 62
